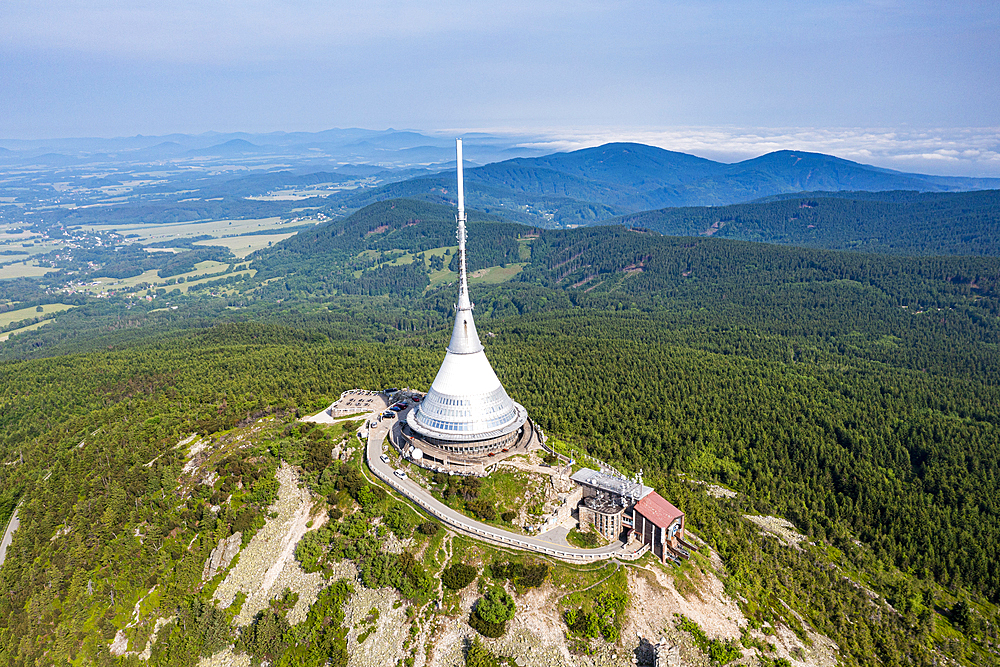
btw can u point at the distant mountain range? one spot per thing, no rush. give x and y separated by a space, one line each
385 148
595 184
591 186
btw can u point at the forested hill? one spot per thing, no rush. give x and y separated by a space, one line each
594 184
363 253
912 223
857 395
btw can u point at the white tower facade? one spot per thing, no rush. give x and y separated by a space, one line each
466 403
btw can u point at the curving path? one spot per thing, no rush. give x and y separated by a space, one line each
8 535
463 524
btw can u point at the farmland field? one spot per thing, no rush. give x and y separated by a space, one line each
25 313
22 270
30 327
241 246
180 230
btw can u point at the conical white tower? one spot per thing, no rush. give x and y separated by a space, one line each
466 402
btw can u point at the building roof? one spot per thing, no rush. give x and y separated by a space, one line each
603 505
658 510
611 483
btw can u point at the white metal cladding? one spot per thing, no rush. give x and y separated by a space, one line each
466 402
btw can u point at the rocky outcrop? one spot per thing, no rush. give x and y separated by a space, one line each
222 555
267 566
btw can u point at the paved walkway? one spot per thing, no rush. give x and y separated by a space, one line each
8 536
463 524
557 535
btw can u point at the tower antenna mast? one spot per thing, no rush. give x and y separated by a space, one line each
464 302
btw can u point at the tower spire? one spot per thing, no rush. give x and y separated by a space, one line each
467 412
464 302
464 337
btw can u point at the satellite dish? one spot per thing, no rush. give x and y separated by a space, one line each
416 454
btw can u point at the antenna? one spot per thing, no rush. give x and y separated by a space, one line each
461 182
464 303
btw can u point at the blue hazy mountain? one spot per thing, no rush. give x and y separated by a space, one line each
385 148
231 147
595 184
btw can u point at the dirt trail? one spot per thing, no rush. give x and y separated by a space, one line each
446 543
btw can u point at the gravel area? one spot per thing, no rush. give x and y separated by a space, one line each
653 592
783 529
383 646
534 638
267 565
226 658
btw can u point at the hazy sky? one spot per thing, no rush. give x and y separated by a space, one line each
573 71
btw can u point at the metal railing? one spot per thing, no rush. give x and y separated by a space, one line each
497 538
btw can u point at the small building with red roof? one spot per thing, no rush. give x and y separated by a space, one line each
659 524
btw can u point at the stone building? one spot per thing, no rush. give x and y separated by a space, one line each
604 515
607 502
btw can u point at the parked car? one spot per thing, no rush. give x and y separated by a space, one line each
385 458
400 473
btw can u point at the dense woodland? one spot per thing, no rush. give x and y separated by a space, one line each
855 394
898 222
332 258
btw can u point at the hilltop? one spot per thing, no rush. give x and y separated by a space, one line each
811 411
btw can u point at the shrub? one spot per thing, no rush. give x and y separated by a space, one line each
458 576
480 656
523 575
508 516
486 629
494 609
265 638
584 539
369 495
603 619
466 487
496 606
482 509
720 652
429 528
398 521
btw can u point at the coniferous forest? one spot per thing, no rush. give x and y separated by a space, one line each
856 395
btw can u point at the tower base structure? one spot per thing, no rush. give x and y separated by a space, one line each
473 457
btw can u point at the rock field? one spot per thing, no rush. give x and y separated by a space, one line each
535 637
267 565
